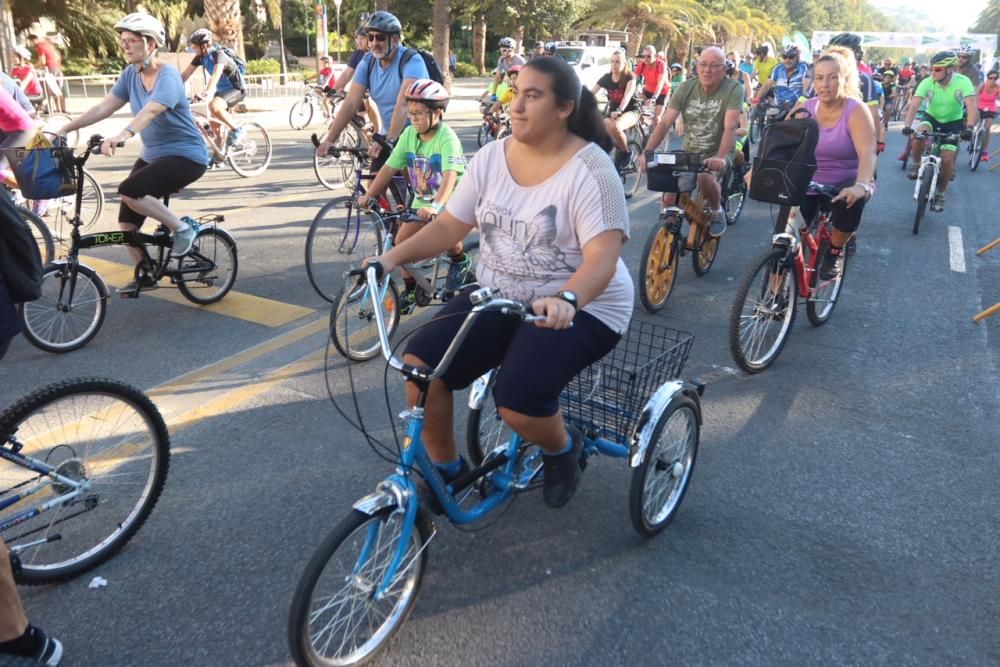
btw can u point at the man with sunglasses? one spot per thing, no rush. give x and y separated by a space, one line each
950 97
385 75
506 60
788 80
966 67
655 80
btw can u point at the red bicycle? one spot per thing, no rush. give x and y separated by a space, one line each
765 305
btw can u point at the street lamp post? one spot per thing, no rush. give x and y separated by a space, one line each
337 4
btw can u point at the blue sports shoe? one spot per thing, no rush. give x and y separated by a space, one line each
458 270
235 137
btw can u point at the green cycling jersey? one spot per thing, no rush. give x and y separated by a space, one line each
945 104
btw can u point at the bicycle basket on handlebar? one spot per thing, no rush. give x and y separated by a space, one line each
607 397
43 173
664 168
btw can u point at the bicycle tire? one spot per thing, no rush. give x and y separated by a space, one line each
502 132
756 125
301 113
215 250
340 235
632 176
40 317
704 256
782 302
660 259
361 343
735 198
356 575
54 122
91 207
906 153
484 429
820 308
679 426
333 172
253 155
123 427
922 196
41 233
976 149
485 134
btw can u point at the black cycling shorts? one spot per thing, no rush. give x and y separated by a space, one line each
536 363
158 178
983 113
231 96
951 127
660 99
844 219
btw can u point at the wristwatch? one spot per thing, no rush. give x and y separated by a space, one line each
569 297
867 187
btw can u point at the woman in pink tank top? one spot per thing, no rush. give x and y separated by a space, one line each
989 91
16 128
845 154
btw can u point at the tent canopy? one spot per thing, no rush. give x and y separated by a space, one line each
921 41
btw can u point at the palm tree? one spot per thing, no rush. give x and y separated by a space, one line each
441 31
668 18
225 20
276 18
989 18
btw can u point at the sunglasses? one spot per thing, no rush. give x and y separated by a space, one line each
129 43
992 78
378 36
789 57
938 69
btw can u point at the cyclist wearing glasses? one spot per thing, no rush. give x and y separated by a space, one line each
710 106
506 60
431 154
361 48
173 151
225 84
965 65
950 96
788 80
552 219
655 80
989 93
386 72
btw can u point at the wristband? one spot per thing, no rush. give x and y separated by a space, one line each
438 207
128 128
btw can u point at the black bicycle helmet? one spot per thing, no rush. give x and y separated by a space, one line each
851 41
944 59
201 36
385 22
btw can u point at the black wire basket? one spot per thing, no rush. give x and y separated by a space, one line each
606 398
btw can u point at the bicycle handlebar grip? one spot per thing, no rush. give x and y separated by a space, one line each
966 135
315 139
907 130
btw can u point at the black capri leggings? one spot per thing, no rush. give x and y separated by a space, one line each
844 219
158 178
536 364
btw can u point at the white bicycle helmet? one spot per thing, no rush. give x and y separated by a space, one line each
429 92
142 23
506 43
965 50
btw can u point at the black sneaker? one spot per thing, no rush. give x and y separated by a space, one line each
622 159
50 649
425 491
912 172
832 263
129 291
561 473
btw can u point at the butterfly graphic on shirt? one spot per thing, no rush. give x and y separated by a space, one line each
523 266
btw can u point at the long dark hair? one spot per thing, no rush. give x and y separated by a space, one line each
585 121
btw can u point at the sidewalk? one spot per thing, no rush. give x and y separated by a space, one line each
272 112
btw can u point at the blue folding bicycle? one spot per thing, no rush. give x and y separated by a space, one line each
362 581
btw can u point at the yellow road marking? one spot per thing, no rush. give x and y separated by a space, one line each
240 305
189 379
277 200
230 400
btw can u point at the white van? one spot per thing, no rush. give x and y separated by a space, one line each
589 62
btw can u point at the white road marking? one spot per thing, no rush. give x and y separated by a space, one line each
956 251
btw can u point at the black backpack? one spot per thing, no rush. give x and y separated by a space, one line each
20 260
433 71
786 160
237 77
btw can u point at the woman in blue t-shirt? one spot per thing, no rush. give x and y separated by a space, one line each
173 152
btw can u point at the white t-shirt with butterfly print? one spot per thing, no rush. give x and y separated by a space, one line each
531 238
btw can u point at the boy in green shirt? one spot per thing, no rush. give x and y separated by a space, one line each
431 153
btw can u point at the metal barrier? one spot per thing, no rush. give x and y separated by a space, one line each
258 85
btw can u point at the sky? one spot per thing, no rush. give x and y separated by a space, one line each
952 16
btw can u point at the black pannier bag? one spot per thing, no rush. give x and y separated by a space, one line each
786 160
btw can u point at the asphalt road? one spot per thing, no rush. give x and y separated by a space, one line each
843 509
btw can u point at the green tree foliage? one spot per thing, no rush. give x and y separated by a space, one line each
989 19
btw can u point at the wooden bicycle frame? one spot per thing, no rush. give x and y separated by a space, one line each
995 308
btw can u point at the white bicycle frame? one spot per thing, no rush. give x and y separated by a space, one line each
934 162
